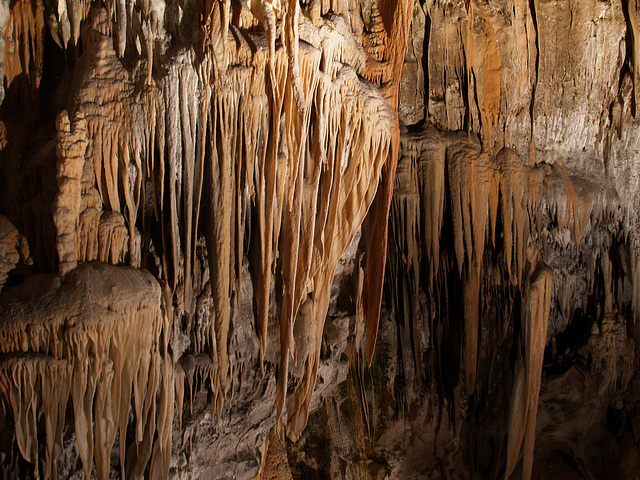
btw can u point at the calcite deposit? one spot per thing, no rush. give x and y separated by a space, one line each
319 239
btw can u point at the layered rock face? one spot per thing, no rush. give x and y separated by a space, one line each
323 239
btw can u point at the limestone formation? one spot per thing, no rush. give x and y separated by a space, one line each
319 238
95 338
14 249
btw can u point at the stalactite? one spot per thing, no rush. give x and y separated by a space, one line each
405 232
96 334
115 141
28 383
252 126
23 51
89 218
396 17
513 202
291 125
483 189
632 11
524 400
112 238
312 183
497 201
612 353
345 194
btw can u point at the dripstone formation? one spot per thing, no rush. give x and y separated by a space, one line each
350 239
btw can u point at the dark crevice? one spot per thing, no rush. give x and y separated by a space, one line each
425 61
627 65
534 19
476 99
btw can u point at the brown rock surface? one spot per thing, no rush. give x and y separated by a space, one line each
212 211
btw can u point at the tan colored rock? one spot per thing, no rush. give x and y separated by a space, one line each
524 400
71 148
112 238
275 465
226 137
14 248
29 383
96 334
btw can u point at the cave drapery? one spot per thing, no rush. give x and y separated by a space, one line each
212 211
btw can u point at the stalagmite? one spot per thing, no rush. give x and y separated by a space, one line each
70 150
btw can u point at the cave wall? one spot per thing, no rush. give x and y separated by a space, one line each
512 153
344 239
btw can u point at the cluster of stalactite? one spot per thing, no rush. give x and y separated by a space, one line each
254 135
207 138
466 224
97 339
216 145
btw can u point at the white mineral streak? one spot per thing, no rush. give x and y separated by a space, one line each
94 335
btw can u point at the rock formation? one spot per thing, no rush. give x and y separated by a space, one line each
324 238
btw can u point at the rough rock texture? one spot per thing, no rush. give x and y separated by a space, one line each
93 338
14 249
324 238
